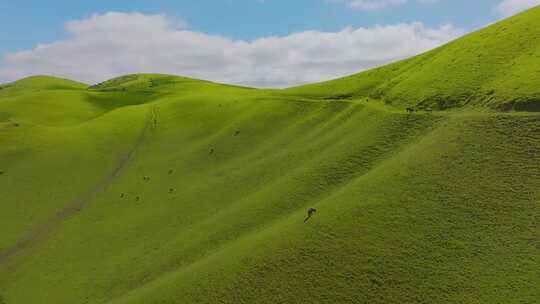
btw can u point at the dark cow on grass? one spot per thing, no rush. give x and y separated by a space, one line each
310 213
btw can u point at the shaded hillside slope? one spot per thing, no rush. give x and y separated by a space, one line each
497 67
163 189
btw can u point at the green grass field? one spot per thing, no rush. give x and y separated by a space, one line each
164 189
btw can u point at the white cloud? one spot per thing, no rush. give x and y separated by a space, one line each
374 5
113 44
509 8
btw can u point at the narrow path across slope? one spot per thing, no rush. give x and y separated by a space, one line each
79 202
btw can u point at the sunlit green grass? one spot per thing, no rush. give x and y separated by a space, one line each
497 67
164 189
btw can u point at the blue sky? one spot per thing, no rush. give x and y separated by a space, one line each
33 22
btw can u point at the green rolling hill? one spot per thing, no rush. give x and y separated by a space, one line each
497 68
162 189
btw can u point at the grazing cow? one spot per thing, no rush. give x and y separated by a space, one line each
310 213
410 110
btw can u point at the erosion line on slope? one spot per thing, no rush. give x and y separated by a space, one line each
79 202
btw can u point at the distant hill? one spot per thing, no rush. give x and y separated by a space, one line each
44 82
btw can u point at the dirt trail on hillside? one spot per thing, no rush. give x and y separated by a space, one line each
79 202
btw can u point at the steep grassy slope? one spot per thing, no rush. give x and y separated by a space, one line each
498 67
164 189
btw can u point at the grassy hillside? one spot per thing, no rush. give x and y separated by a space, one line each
164 189
498 68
